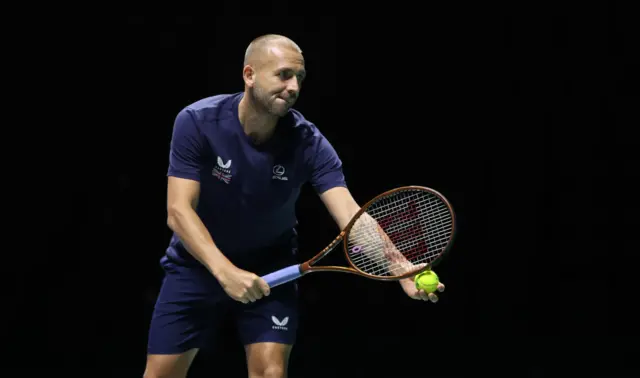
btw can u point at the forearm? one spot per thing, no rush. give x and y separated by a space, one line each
376 246
374 250
197 240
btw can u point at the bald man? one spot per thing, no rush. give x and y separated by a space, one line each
236 166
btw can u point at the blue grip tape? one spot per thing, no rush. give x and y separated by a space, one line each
283 275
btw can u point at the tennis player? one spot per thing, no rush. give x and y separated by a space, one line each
236 166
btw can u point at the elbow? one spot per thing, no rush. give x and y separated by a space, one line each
171 222
174 213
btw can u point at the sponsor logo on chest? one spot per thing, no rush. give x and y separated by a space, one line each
222 170
278 173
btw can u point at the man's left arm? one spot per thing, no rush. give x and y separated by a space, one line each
342 207
340 204
328 180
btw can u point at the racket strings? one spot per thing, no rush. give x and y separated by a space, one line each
385 257
400 233
419 250
435 239
414 252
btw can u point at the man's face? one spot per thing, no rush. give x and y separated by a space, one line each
278 79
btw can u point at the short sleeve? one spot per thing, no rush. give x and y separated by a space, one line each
186 149
326 166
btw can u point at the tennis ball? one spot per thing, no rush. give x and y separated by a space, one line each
427 281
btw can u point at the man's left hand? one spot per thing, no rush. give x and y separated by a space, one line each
409 287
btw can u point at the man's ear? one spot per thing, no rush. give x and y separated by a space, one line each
249 75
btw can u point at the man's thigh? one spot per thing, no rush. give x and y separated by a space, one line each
187 310
270 319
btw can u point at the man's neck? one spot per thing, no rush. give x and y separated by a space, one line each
255 123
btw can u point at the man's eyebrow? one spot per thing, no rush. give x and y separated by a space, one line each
302 71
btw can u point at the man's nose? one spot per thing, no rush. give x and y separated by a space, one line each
293 87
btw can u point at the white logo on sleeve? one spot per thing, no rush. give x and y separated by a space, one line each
222 170
279 324
278 173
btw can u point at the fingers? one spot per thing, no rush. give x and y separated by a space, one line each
423 295
264 287
248 296
258 289
432 297
254 293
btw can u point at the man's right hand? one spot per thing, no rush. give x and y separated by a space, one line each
243 286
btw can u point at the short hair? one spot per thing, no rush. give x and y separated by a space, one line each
259 44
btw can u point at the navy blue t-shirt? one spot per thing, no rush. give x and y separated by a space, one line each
248 192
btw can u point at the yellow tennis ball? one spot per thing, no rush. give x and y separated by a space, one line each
427 281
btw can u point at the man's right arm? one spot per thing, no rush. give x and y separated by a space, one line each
182 199
186 165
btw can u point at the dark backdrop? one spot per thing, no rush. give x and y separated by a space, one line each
524 118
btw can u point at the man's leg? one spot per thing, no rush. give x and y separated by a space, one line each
169 365
184 315
268 359
267 329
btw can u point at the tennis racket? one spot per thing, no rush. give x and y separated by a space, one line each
396 235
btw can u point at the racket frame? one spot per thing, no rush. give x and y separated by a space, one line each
307 266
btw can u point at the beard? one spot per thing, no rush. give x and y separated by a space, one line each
268 102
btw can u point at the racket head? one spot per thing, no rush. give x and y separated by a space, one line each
400 233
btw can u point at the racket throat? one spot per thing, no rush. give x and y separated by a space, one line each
325 251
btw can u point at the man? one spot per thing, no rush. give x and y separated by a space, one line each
237 164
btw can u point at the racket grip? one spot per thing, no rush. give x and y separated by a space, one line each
283 275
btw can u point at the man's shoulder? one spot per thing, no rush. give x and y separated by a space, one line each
211 107
211 102
304 128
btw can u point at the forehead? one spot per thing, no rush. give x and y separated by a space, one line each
279 57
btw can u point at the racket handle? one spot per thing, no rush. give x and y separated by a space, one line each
283 275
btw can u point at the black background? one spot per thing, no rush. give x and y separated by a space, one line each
524 118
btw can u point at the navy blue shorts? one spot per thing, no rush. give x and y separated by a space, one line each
192 310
